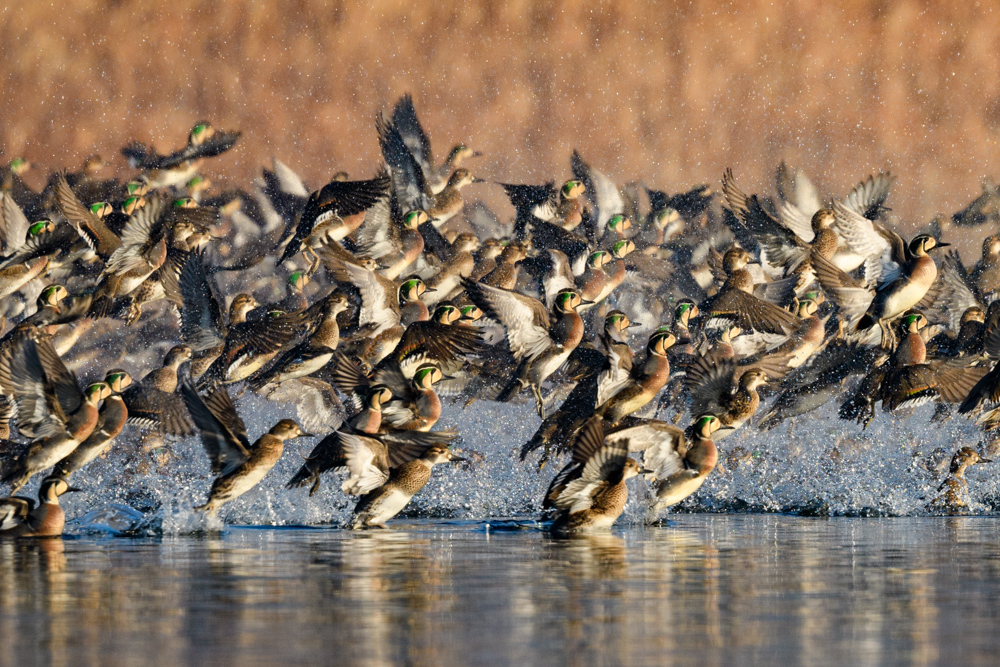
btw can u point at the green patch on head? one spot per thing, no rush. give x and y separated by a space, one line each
97 388
705 421
37 228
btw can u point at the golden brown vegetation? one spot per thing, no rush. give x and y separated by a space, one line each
672 92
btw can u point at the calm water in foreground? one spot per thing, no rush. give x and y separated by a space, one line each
706 589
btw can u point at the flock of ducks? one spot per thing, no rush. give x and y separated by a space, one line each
377 298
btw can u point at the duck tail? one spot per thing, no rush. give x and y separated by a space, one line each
511 390
304 476
101 307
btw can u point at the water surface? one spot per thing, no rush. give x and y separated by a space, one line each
705 589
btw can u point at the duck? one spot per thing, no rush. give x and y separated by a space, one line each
367 419
178 168
369 457
55 413
333 212
310 355
21 517
736 303
918 272
111 420
680 467
381 504
404 118
229 352
410 186
915 379
540 342
153 403
590 492
238 465
710 385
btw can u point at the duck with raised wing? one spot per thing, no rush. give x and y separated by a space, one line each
238 465
541 342
52 409
590 492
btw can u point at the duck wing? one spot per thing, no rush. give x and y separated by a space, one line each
709 384
525 319
404 118
202 327
89 226
13 225
223 433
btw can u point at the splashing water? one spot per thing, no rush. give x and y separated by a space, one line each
816 464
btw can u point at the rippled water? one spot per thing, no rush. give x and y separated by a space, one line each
706 589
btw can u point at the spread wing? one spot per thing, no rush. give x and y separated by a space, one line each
222 431
201 317
709 383
379 298
408 180
217 144
868 197
149 407
366 458
782 247
749 312
13 224
601 464
524 318
404 117
600 190
90 227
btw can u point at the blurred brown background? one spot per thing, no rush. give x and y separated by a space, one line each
671 93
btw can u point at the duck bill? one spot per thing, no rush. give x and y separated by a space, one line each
476 179
584 302
940 245
73 489
457 459
633 325
307 435
476 154
646 471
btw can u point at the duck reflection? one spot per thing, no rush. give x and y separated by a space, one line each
716 588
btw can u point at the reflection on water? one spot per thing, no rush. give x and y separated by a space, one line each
707 589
